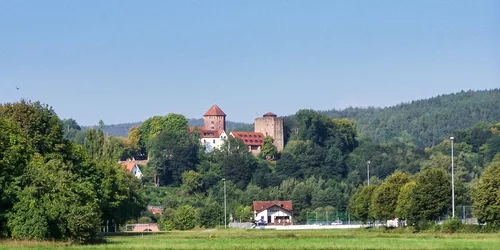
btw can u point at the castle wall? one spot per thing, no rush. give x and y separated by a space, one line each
271 126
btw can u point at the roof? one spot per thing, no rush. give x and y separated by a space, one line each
215 111
250 138
205 133
129 165
263 205
270 114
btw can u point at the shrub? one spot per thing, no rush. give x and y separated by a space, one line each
144 220
451 225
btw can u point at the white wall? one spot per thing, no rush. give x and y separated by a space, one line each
211 145
273 212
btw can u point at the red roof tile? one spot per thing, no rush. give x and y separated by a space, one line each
250 138
215 111
205 133
263 205
270 114
129 165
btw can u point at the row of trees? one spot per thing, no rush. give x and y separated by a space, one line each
426 196
51 188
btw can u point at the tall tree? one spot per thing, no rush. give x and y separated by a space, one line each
385 197
487 196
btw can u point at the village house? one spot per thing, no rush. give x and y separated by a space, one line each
133 167
273 212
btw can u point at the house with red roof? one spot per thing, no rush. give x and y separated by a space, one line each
273 212
133 167
253 140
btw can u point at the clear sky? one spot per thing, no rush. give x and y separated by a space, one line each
124 61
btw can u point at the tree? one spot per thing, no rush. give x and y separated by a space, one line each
384 198
210 214
15 152
173 153
243 213
269 150
431 195
39 123
191 181
237 164
404 204
486 198
58 212
359 205
185 218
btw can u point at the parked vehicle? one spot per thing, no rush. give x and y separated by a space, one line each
337 222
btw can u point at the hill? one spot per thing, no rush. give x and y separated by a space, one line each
428 121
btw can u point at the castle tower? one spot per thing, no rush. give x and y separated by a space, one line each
271 125
215 119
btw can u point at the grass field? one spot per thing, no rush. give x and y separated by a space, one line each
271 239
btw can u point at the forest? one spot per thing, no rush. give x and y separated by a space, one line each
323 167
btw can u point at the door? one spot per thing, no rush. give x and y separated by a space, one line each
269 219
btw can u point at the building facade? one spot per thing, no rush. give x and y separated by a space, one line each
270 125
253 140
273 212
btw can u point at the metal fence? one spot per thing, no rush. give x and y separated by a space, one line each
330 218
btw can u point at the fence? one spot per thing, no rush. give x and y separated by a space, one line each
330 218
464 213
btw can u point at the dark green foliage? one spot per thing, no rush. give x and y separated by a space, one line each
427 121
268 151
210 214
431 196
236 163
61 212
50 187
487 196
185 218
359 204
384 198
172 153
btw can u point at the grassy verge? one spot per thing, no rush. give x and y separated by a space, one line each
271 239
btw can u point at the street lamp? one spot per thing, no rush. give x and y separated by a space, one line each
452 181
368 171
225 207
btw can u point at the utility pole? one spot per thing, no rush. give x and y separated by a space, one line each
225 206
368 171
452 181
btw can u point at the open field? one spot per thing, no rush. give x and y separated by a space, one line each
271 239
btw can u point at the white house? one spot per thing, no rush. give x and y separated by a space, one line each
273 212
134 169
212 139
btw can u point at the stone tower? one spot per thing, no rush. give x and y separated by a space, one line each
214 119
271 125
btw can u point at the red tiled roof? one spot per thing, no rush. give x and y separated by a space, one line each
263 205
215 111
250 138
270 114
205 133
129 165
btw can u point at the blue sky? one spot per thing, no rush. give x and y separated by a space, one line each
124 61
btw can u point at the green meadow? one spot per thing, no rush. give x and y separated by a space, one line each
272 239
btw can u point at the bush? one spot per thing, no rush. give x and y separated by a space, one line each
451 225
145 220
424 225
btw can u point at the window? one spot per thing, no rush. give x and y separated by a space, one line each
204 141
214 141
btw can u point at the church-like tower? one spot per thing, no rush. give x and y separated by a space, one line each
215 119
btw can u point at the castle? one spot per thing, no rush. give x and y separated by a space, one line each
213 132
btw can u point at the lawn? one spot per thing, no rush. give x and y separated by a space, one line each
271 239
